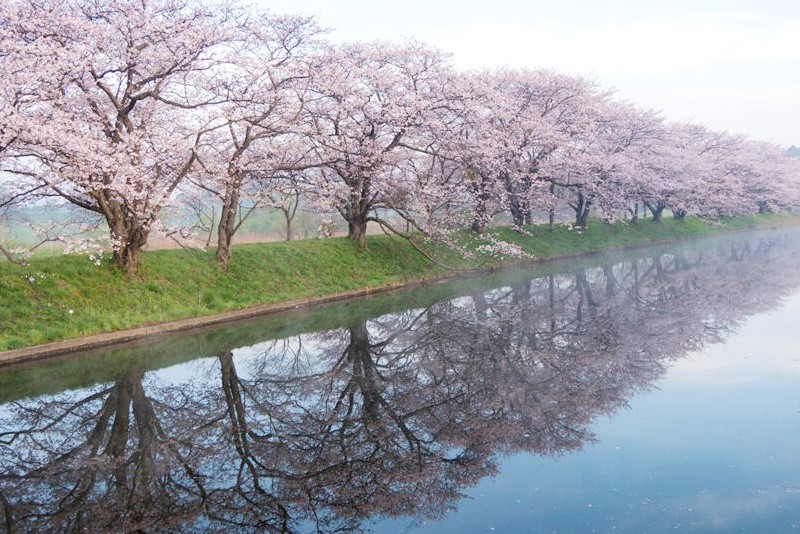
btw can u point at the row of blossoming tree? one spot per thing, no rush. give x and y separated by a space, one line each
124 108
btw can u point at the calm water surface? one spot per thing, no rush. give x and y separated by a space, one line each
653 392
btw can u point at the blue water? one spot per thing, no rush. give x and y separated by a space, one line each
715 448
653 392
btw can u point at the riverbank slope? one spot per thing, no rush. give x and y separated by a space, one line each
69 298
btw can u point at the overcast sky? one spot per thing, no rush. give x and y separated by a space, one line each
731 65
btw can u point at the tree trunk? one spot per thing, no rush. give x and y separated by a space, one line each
657 213
478 225
357 231
364 375
235 404
551 283
289 211
128 237
223 254
581 208
481 219
356 213
582 219
517 213
656 209
288 226
679 215
227 226
126 257
481 306
515 201
521 291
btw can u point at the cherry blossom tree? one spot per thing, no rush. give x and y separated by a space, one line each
672 172
112 106
363 103
695 171
600 164
35 57
433 194
118 132
769 178
33 61
284 196
253 136
522 119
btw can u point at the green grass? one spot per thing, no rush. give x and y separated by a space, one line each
70 297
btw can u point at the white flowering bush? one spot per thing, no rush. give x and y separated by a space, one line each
327 229
92 248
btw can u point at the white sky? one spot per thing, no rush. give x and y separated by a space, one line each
729 64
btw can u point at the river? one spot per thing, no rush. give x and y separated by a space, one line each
657 390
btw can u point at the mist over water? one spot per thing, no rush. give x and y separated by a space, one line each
655 391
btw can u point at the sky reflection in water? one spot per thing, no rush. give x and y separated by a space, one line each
712 449
591 397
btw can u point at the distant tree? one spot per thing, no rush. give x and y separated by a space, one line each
767 177
600 164
520 119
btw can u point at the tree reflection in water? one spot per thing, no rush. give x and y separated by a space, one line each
388 416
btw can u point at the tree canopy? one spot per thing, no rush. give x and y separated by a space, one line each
124 109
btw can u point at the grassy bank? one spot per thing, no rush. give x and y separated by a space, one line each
58 298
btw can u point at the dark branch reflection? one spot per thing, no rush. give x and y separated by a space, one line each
387 416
